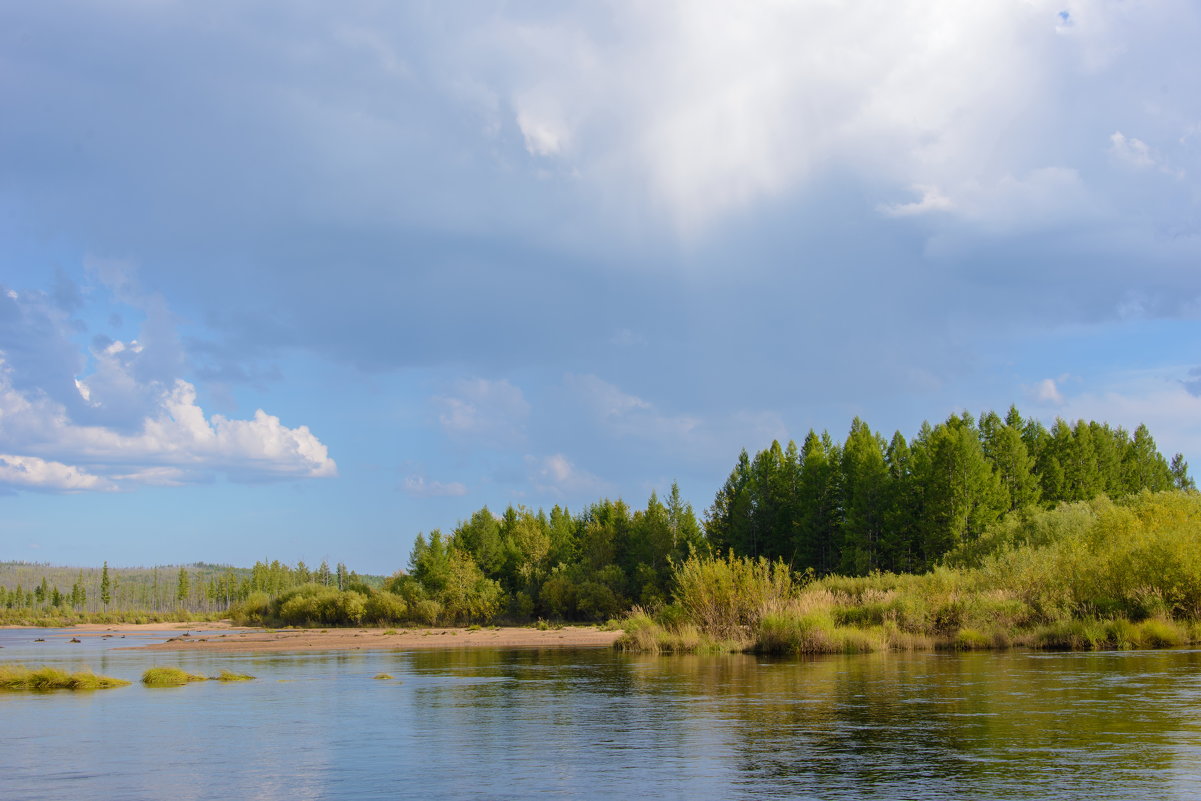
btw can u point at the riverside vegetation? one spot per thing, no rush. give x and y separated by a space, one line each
19 677
870 543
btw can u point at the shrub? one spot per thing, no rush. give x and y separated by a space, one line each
727 597
385 607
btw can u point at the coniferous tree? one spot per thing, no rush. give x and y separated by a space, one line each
1180 477
865 496
728 520
962 492
1004 447
106 587
818 511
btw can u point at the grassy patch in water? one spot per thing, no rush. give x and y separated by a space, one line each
229 675
169 677
384 676
19 677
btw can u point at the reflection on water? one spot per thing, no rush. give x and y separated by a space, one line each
511 724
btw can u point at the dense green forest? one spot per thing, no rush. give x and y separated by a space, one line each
952 495
871 504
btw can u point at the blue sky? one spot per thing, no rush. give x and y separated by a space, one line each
284 281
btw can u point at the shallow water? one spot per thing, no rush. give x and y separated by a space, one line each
589 723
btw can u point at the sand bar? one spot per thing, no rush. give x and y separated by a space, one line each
210 637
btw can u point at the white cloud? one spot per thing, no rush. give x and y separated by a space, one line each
1130 150
130 420
30 472
420 487
556 474
177 444
1047 391
484 412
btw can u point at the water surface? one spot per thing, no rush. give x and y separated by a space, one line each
578 724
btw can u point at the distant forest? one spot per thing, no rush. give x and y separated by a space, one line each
854 507
197 588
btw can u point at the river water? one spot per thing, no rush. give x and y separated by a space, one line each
465 724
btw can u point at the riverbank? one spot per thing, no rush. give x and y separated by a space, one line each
243 639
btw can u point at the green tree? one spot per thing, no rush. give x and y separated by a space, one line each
864 499
818 511
183 588
1180 477
962 494
106 586
1005 448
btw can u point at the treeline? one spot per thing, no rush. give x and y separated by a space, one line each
1094 574
520 565
27 588
869 504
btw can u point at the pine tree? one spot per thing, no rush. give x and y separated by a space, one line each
864 499
815 540
106 586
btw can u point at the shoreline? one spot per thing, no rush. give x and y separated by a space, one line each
234 639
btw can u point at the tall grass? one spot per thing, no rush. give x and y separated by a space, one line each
169 677
19 677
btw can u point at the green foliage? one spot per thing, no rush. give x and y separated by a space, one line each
229 675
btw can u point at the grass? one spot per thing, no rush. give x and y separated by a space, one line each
229 675
384 676
169 677
19 677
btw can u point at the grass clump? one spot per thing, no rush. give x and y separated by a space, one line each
169 677
43 679
229 675
383 676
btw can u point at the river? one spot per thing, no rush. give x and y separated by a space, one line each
466 724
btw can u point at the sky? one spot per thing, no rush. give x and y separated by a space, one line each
298 281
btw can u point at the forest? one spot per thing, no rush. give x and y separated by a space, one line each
954 494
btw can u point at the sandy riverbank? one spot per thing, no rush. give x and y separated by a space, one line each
216 638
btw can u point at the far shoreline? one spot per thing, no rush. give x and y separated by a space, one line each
207 636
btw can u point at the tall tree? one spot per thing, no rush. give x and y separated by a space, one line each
728 520
183 588
106 587
865 498
818 511
1004 447
962 492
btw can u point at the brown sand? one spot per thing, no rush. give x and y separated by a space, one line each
203 637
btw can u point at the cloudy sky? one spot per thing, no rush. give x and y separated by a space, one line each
290 281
